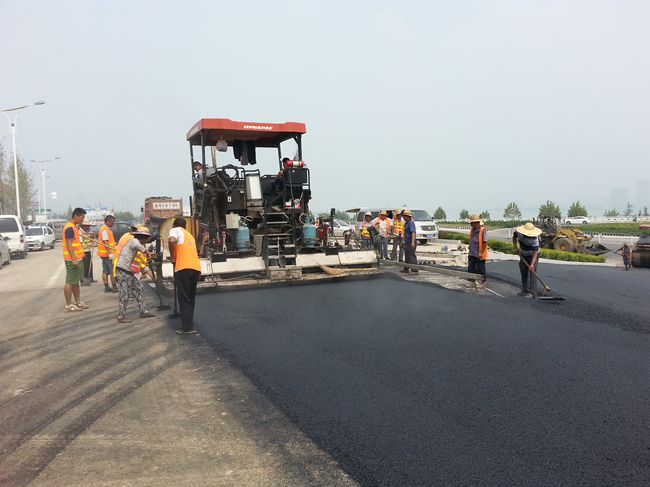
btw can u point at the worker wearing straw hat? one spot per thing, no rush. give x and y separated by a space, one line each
526 243
398 235
478 248
410 241
384 227
129 265
364 234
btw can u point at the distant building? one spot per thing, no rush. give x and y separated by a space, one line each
618 198
642 193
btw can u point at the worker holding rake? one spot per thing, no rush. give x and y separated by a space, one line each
526 243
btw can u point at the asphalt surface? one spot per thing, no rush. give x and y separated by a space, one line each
410 384
606 294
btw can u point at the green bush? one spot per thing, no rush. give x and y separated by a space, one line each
508 248
499 246
610 228
491 225
453 236
570 256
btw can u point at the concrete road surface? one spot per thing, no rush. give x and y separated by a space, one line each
408 384
85 401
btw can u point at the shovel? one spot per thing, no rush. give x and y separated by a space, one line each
549 294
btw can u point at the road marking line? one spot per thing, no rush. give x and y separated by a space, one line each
494 292
56 275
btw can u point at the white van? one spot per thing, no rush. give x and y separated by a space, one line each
12 227
56 225
425 227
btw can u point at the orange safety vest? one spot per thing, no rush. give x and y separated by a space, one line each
77 249
105 247
186 256
86 242
482 246
398 227
365 233
139 262
388 224
118 250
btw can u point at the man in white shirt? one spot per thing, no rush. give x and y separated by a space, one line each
384 227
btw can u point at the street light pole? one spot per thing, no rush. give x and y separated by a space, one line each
43 176
13 139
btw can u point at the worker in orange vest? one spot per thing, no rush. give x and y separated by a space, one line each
187 270
398 236
73 255
120 245
478 250
364 234
105 250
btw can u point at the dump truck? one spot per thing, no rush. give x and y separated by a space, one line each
157 209
566 239
254 227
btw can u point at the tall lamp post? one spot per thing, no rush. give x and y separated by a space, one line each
42 163
12 124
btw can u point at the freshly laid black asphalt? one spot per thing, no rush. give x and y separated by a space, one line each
406 384
605 290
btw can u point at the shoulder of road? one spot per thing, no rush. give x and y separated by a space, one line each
82 397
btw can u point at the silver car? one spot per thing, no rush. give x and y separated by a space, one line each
5 253
340 227
39 237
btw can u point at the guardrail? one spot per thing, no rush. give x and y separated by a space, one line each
508 233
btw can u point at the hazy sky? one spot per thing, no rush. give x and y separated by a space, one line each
460 104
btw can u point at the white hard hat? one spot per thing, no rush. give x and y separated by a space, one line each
368 213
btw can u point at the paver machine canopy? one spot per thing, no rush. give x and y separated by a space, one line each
227 197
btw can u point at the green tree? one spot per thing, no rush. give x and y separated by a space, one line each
612 213
512 212
576 209
341 215
27 187
440 214
485 215
464 214
125 216
550 209
629 210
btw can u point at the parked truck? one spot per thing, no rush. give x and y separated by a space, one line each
157 209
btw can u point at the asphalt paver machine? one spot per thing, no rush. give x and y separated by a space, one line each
250 226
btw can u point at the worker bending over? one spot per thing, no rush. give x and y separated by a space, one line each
526 242
130 264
